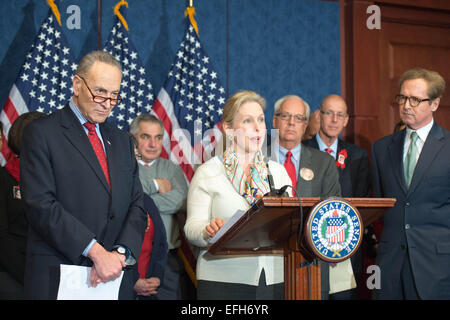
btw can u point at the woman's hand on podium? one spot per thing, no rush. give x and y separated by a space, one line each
214 226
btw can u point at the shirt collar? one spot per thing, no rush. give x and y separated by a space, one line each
78 114
146 164
295 151
323 146
422 132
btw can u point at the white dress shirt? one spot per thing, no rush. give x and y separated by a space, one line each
422 134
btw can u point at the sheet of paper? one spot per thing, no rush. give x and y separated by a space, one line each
74 285
227 226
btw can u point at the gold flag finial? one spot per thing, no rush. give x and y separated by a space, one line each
55 10
119 15
190 11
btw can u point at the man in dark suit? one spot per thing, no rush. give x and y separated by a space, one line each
352 163
313 173
79 180
413 166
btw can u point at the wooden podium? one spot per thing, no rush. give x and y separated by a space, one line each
271 227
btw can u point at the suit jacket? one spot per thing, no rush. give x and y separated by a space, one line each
419 223
13 229
323 183
355 179
158 256
69 201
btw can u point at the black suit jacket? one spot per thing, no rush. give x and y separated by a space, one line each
355 178
13 229
419 223
68 199
158 256
355 181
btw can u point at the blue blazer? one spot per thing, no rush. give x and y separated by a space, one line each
419 223
158 256
69 201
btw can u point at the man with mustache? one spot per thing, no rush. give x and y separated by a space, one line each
412 165
79 180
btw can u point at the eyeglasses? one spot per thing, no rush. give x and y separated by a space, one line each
331 114
101 99
298 118
413 101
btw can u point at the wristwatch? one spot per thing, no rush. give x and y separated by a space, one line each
129 259
121 250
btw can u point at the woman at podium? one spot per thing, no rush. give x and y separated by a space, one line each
226 184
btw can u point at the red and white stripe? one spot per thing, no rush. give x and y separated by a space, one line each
13 108
176 143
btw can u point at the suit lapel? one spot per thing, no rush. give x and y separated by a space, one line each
434 143
395 150
303 187
108 139
340 147
76 135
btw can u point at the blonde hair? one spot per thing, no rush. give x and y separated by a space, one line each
234 103
436 83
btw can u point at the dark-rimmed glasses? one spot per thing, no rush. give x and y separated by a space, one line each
413 101
101 99
298 118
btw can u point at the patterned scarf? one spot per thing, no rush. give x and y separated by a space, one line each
258 185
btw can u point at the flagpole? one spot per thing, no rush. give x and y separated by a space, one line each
99 24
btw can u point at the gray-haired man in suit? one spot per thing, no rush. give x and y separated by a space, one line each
313 173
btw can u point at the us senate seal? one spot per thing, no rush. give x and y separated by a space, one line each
334 230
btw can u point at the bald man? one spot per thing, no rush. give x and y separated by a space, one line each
352 162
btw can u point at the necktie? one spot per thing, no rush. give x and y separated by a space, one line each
328 150
98 149
290 168
411 158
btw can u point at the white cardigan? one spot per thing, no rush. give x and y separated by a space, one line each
211 195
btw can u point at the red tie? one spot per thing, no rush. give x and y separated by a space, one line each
328 150
290 168
98 149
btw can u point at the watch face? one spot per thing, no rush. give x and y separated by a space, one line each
121 250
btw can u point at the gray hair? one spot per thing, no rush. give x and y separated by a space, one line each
280 101
101 56
134 126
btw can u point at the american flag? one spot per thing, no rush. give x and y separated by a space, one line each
136 90
190 105
335 228
44 82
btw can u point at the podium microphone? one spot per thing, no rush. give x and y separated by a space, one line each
274 192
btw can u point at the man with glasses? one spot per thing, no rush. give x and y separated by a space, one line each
413 166
313 173
352 163
80 181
